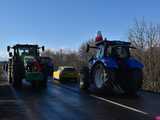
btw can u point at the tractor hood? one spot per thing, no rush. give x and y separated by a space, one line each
133 63
110 62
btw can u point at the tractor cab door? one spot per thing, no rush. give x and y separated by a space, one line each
99 55
100 52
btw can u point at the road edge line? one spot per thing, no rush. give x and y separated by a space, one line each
120 105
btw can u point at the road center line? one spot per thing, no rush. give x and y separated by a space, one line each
121 105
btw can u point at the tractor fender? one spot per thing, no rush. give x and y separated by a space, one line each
93 68
133 63
110 63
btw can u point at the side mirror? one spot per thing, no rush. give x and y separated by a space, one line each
87 48
43 48
10 54
8 48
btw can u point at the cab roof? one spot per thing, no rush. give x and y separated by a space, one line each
24 45
113 42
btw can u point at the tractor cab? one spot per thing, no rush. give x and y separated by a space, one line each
25 50
106 48
116 49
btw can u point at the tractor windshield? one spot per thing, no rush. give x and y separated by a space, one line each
27 51
23 51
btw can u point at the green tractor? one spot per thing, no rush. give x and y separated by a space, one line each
26 63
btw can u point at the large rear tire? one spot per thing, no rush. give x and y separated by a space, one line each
16 80
134 83
38 84
35 84
17 73
44 82
84 78
9 71
46 73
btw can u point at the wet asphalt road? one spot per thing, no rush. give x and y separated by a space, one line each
66 102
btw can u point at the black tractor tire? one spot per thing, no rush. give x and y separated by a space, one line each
9 78
134 83
17 73
36 84
9 72
84 78
45 72
44 82
105 77
16 80
39 84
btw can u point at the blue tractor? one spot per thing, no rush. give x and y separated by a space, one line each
112 68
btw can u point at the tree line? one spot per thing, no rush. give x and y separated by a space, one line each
144 36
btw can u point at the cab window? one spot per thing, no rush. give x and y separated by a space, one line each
100 52
120 52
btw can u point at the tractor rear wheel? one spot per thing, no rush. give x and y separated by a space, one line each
84 78
38 84
35 84
134 83
9 72
16 79
44 82
102 78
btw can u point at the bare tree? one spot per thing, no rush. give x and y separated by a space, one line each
85 56
64 57
146 37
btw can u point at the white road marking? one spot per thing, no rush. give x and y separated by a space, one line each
121 105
